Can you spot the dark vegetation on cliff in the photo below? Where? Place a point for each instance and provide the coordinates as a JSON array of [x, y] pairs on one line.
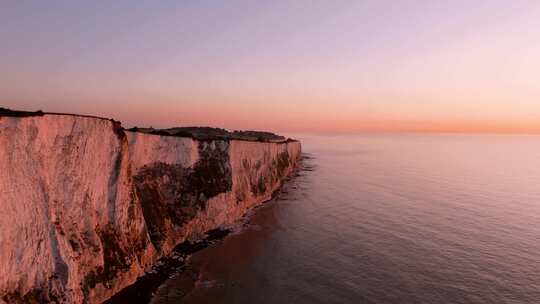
[[209, 133], [11, 113], [171, 195]]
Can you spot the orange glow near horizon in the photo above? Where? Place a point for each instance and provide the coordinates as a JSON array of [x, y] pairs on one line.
[[292, 66]]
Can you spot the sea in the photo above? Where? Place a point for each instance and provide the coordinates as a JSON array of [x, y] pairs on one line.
[[385, 218]]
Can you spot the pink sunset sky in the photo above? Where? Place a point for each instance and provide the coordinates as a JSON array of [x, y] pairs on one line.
[[312, 66]]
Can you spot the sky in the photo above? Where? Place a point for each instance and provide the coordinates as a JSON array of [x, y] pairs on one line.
[[284, 66]]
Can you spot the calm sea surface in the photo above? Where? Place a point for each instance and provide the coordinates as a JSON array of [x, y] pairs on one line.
[[386, 219]]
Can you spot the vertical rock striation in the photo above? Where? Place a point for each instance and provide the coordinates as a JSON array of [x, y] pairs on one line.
[[88, 206]]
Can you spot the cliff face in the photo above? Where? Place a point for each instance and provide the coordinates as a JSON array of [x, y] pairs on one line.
[[87, 206]]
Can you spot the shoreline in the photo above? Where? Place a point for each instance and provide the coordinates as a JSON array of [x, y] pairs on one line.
[[175, 264]]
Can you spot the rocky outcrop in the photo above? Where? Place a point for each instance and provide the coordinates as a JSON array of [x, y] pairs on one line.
[[88, 206]]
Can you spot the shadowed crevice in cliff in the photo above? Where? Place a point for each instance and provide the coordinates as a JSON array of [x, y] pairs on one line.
[[116, 259], [170, 195], [60, 276], [51, 291], [119, 158]]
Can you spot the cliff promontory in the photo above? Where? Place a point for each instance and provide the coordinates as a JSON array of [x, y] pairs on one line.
[[88, 206]]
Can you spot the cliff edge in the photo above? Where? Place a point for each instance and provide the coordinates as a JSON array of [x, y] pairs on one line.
[[89, 206]]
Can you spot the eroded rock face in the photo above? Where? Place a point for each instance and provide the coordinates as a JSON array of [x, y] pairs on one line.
[[87, 206], [171, 195]]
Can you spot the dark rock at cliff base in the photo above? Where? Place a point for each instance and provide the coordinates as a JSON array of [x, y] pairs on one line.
[[142, 290]]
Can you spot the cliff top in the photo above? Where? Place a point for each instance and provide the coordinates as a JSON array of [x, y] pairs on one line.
[[209, 133], [12, 113], [199, 133]]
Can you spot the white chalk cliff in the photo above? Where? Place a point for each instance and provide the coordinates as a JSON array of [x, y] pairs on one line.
[[88, 206]]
